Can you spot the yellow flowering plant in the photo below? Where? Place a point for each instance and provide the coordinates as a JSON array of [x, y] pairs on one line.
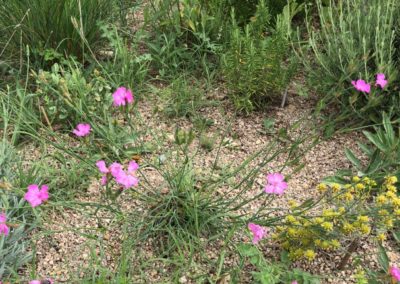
[[341, 216]]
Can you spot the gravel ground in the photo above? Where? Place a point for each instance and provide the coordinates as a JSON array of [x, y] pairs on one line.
[[68, 250]]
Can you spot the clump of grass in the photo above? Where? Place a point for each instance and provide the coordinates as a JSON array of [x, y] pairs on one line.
[[52, 28], [182, 98], [207, 142]]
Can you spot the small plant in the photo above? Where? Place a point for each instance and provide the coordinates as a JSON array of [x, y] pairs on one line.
[[127, 66], [207, 142], [273, 272], [64, 95], [382, 151], [186, 34], [182, 98], [254, 62], [347, 215], [183, 138], [186, 209]]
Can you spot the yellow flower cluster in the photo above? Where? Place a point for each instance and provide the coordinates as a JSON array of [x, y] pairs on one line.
[[358, 209]]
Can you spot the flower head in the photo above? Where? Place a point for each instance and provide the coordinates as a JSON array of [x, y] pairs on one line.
[[115, 169], [361, 86], [35, 196], [294, 282], [122, 96], [133, 167], [395, 272], [258, 232], [4, 229], [82, 129], [380, 80], [35, 282], [126, 178], [102, 167], [275, 184], [103, 180]]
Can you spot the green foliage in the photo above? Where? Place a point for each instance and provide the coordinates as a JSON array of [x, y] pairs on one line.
[[64, 95], [185, 33], [186, 206], [273, 272], [14, 247], [342, 217], [182, 98], [127, 66], [19, 114], [47, 25], [382, 152], [207, 142], [254, 63], [355, 40]]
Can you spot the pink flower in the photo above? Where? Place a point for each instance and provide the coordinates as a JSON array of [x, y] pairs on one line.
[[48, 280], [380, 80], [395, 272], [82, 129], [275, 184], [122, 96], [133, 167], [103, 180], [116, 169], [3, 226], [258, 232], [294, 282], [35, 196], [102, 167], [361, 86], [125, 178]]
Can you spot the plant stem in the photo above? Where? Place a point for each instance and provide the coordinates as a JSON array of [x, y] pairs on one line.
[[353, 246]]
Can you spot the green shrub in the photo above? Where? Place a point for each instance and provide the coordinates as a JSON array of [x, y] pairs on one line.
[[254, 63], [52, 25], [354, 41]]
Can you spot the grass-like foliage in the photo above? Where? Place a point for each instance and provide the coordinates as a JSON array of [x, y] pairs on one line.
[[47, 27], [189, 205], [182, 98], [14, 251], [382, 152]]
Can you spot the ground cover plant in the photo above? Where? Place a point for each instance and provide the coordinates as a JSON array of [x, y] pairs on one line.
[[184, 141]]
